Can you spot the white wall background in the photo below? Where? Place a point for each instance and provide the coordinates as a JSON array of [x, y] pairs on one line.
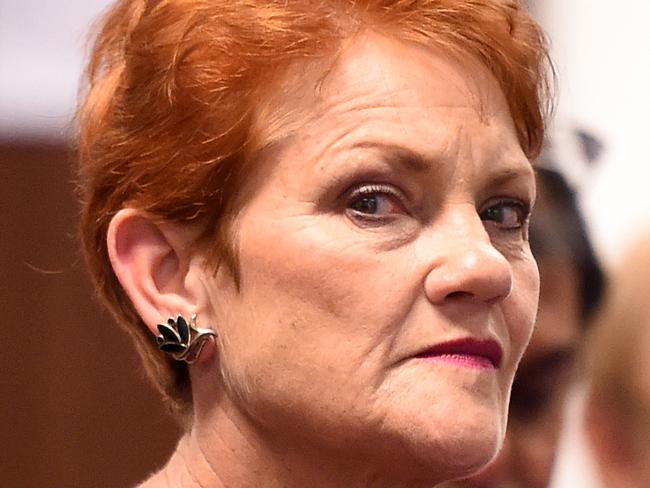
[[41, 51], [602, 53]]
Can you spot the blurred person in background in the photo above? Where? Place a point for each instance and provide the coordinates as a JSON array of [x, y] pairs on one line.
[[571, 289], [617, 411]]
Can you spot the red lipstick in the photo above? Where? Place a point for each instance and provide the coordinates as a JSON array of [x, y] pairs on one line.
[[483, 354]]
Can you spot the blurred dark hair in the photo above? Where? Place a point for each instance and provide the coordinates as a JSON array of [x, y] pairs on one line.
[[558, 231]]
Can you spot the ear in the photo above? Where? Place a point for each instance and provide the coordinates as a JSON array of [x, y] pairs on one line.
[[154, 265]]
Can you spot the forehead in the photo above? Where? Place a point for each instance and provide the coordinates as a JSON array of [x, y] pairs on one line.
[[379, 69], [372, 74]]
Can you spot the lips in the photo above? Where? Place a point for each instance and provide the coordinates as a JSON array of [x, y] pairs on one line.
[[468, 352]]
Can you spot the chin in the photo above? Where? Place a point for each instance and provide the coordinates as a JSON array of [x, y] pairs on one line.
[[466, 455], [453, 439], [470, 446]]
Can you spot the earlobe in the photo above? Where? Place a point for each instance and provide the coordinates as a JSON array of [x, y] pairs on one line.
[[151, 266]]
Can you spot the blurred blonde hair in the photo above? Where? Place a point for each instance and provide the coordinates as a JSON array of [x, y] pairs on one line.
[[618, 350]]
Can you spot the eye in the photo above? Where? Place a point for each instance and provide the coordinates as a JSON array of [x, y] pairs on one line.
[[507, 214], [375, 202]]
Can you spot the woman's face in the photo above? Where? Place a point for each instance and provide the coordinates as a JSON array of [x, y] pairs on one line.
[[387, 288]]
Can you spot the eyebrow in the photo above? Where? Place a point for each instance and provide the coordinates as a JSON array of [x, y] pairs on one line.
[[418, 163], [407, 158], [509, 173]]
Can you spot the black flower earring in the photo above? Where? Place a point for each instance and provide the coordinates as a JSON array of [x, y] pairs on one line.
[[181, 340]]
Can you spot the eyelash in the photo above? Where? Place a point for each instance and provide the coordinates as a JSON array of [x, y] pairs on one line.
[[398, 199], [522, 208], [374, 190]]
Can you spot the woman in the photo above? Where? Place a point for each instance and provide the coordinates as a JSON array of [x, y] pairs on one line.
[[339, 191]]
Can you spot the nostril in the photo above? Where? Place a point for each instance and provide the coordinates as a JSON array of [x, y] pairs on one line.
[[457, 295]]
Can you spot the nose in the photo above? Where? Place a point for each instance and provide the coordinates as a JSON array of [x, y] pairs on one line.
[[469, 267]]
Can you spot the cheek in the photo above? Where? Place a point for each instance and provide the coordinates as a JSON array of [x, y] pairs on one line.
[[312, 306], [308, 335], [521, 305]]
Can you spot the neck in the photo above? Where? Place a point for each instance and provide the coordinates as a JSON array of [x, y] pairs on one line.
[[225, 449]]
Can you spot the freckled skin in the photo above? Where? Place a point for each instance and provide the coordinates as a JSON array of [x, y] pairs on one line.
[[317, 347]]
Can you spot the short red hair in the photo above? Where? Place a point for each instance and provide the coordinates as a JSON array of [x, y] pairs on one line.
[[166, 124]]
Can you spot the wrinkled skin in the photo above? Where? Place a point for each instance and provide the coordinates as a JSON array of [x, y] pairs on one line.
[[363, 242], [391, 217]]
